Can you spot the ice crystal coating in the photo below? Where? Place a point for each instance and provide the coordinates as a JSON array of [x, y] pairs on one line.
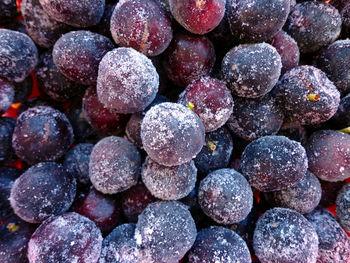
[[343, 204]]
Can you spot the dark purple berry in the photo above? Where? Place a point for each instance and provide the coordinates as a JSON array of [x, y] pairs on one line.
[[46, 189], [7, 177], [7, 126], [42, 134], [172, 134], [273, 163], [7, 94], [343, 204], [8, 11], [114, 165]]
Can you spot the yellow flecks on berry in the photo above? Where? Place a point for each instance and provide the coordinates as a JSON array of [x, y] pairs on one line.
[[211, 146], [12, 227], [345, 130], [313, 97], [200, 3], [234, 67], [190, 105], [274, 224], [233, 227]]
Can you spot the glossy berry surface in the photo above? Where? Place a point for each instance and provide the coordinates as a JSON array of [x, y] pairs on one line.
[[225, 196], [188, 58], [254, 118], [46, 189], [169, 183], [43, 29], [257, 20], [42, 134], [114, 165], [77, 14], [313, 25], [200, 16], [172, 134], [303, 197], [288, 49], [307, 96], [18, 55], [103, 210], [166, 231], [102, 119], [284, 235], [127, 80], [219, 244], [343, 204], [252, 70], [76, 161], [77, 55], [65, 238], [210, 99], [273, 163], [142, 25], [329, 155], [135, 200], [53, 83], [216, 152], [334, 244]]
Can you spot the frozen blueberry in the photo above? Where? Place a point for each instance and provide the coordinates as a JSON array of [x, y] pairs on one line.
[[284, 235], [334, 244], [333, 61], [165, 231], [114, 165], [257, 20], [343, 207], [172, 134], [251, 70], [142, 25], [313, 25], [77, 55], [75, 13], [7, 126], [7, 94], [23, 89], [328, 152], [303, 197], [219, 244], [44, 190], [14, 236], [273, 163], [43, 29], [216, 153], [18, 55], [307, 96], [77, 161], [42, 134], [169, 183], [65, 238], [53, 83], [254, 118], [120, 246], [127, 81], [225, 196], [210, 99]]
